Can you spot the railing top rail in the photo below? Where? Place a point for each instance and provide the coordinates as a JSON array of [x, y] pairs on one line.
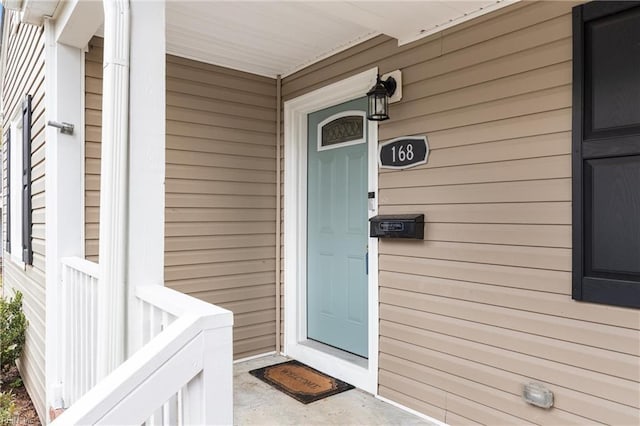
[[178, 304], [141, 366], [82, 265]]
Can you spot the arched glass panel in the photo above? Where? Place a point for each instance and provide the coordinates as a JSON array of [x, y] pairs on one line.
[[344, 128]]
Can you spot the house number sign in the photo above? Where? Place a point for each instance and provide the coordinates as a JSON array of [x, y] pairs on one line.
[[404, 152]]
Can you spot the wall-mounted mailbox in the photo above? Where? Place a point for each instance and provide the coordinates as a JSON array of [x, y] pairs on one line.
[[398, 226]]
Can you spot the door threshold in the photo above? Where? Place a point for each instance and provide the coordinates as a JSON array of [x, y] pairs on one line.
[[337, 353], [342, 365]]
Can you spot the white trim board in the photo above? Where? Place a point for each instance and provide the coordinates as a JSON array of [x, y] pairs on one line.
[[83, 145], [252, 357], [295, 233], [436, 422]]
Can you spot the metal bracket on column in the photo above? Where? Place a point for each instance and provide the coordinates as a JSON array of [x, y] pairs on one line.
[[65, 128]]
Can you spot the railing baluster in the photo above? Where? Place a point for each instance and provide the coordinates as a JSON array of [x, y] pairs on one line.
[[165, 413], [83, 342], [71, 343], [152, 322], [140, 311], [63, 334], [180, 404], [156, 419], [165, 320], [145, 323], [93, 291], [79, 313], [157, 321], [74, 334], [170, 411], [193, 409], [72, 348], [87, 333]]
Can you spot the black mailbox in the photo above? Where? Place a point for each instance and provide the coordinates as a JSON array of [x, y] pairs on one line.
[[398, 226]]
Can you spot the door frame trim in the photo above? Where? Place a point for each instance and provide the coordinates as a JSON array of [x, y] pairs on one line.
[[295, 233]]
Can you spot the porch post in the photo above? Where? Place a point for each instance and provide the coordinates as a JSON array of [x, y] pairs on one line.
[[64, 185], [145, 264]]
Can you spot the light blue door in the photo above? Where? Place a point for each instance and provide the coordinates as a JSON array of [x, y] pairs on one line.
[[337, 296]]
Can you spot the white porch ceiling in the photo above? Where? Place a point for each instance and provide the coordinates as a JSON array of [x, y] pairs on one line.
[[281, 37]]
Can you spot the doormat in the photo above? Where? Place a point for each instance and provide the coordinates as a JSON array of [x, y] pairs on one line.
[[300, 381]]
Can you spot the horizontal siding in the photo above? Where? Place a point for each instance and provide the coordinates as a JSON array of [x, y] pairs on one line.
[[92, 138], [24, 74], [483, 304], [220, 195]]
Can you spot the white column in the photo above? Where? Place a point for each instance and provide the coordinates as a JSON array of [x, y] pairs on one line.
[[64, 184], [146, 154]]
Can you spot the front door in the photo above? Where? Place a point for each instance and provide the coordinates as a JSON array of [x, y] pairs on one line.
[[337, 259]]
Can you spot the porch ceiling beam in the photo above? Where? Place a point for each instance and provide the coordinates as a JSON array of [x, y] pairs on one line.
[[34, 11], [78, 21]]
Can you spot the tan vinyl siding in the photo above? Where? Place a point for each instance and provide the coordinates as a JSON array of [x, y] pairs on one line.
[[220, 190], [24, 74], [220, 195], [93, 136], [483, 305]]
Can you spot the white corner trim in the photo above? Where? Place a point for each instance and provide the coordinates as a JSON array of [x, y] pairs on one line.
[[295, 195], [81, 128]]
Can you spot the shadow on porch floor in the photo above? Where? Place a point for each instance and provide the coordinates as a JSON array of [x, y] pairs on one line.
[[257, 403]]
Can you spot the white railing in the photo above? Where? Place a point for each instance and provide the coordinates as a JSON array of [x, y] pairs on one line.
[[182, 375], [78, 320]]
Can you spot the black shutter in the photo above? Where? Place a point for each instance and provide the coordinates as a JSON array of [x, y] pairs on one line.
[[27, 252], [8, 192], [606, 153]]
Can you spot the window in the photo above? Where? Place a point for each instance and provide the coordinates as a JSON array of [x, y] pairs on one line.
[[19, 185], [342, 129], [606, 153]]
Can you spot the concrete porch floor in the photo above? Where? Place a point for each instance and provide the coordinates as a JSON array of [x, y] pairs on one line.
[[257, 403]]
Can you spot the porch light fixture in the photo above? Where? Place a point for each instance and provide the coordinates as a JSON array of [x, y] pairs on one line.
[[378, 99], [537, 394]]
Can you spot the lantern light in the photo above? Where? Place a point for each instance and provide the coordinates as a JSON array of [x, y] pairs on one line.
[[378, 99]]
